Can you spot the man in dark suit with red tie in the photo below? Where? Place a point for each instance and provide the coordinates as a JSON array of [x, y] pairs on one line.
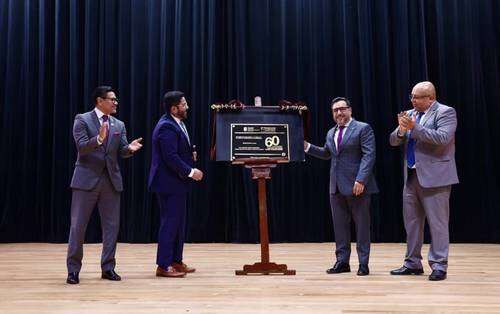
[[172, 170], [350, 145], [97, 180]]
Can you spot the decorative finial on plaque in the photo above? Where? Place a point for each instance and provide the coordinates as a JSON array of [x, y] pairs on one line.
[[258, 101]]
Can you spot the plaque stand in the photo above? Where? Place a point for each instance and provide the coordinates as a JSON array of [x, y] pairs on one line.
[[261, 170]]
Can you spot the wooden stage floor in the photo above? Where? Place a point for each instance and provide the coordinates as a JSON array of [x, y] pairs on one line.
[[32, 280]]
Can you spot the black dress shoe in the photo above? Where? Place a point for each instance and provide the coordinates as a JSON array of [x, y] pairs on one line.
[[73, 278], [111, 275], [437, 275], [363, 270], [407, 271], [339, 267]]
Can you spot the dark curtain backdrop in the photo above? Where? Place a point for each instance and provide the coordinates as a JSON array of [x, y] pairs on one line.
[[54, 52]]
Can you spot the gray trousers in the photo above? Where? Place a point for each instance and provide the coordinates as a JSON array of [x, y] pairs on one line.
[[343, 207], [419, 203], [83, 203]]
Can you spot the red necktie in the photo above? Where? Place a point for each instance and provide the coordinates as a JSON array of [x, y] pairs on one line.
[[105, 119], [339, 137]]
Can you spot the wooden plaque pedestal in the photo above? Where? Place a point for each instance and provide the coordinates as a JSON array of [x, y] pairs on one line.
[[261, 172]]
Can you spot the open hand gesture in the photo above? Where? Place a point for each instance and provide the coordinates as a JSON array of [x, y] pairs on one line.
[[135, 145], [103, 131]]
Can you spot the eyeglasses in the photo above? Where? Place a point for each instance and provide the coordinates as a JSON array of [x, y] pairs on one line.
[[411, 96], [112, 99], [340, 109]]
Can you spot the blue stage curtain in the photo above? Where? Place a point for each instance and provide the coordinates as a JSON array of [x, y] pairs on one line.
[[54, 52]]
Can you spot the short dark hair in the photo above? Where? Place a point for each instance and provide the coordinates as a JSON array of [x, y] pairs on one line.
[[171, 98], [337, 99], [101, 91]]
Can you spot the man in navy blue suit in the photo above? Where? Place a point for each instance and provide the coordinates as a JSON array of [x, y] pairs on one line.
[[172, 170]]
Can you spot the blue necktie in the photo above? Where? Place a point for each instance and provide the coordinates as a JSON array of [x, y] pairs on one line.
[[410, 150], [183, 128]]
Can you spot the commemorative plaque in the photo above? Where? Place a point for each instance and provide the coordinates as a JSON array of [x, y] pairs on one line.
[[271, 132], [259, 140]]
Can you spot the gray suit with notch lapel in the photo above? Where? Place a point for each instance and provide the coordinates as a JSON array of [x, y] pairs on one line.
[[427, 193], [353, 162], [96, 181]]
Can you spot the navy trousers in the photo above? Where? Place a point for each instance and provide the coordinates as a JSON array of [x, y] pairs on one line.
[[172, 228]]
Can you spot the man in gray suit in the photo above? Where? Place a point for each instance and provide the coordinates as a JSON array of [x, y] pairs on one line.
[[351, 147], [97, 180], [427, 134]]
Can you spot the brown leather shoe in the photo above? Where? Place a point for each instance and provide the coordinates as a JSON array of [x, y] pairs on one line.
[[183, 268], [169, 272]]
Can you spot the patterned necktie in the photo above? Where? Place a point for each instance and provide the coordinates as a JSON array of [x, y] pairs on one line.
[[410, 150], [105, 119], [183, 128], [339, 137]]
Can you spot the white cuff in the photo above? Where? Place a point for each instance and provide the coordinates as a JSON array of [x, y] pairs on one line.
[[307, 147], [191, 173]]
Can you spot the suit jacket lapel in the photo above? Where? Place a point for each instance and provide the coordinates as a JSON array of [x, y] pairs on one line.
[[111, 131], [178, 127], [185, 135], [332, 142], [95, 119], [429, 113]]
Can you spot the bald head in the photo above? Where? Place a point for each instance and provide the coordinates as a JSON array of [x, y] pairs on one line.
[[426, 88], [423, 95]]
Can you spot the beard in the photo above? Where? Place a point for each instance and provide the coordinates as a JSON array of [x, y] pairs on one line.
[[180, 115], [341, 120]]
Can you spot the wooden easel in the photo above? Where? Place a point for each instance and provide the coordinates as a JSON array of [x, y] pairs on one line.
[[261, 170]]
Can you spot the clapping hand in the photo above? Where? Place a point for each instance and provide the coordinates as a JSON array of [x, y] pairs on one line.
[[406, 122], [103, 131]]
